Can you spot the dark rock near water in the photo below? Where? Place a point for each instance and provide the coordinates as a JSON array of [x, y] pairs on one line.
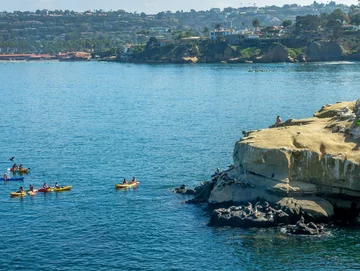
[[353, 56], [184, 191], [261, 216], [202, 192], [301, 58], [304, 229]]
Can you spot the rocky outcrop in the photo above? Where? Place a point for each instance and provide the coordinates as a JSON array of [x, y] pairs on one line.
[[325, 51], [214, 52], [301, 58], [277, 53], [202, 192], [306, 168], [305, 229], [261, 215], [304, 157], [353, 56], [184, 190]]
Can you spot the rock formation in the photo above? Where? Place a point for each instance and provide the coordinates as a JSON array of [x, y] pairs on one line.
[[184, 190], [277, 53], [306, 168], [325, 51], [261, 215], [305, 229]]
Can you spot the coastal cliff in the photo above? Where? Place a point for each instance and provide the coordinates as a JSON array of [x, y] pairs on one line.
[[307, 167], [209, 51]]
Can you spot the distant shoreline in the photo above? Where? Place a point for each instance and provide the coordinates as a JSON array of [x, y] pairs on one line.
[[181, 63]]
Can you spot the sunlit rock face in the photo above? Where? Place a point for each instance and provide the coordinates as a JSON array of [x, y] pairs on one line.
[[314, 162], [322, 151]]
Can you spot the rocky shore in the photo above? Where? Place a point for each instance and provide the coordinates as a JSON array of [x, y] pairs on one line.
[[299, 173]]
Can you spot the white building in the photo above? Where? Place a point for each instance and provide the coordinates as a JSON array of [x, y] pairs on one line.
[[222, 33]]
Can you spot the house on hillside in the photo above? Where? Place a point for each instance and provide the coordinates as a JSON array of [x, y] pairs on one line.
[[214, 35]]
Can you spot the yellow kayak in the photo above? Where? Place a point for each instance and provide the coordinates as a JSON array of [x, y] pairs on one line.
[[17, 194], [32, 193], [64, 188], [23, 170], [127, 185]]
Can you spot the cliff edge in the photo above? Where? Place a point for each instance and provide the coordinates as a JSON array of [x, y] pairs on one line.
[[308, 167]]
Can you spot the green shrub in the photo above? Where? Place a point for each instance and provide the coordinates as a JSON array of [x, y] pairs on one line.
[[249, 52]]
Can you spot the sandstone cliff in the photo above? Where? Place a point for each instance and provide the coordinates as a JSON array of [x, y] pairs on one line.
[[325, 51], [309, 166], [276, 53]]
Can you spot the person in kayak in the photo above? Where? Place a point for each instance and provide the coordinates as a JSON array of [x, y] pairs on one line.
[[21, 189], [21, 167], [124, 182], [6, 177], [57, 185], [14, 167], [46, 186], [133, 180]]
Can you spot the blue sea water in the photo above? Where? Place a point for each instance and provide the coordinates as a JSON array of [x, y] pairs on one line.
[[91, 124]]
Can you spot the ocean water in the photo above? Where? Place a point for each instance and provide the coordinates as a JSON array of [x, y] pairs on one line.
[[89, 125]]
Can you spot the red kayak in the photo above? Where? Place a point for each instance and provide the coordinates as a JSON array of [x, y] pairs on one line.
[[44, 190]]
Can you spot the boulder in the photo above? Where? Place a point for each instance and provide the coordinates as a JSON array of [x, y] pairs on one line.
[[301, 58], [276, 53], [325, 51], [184, 190], [202, 192], [304, 229], [313, 208], [353, 56]]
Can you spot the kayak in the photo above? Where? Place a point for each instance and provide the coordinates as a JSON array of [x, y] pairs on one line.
[[32, 193], [24, 170], [44, 190], [127, 185], [13, 179], [64, 188], [17, 194]]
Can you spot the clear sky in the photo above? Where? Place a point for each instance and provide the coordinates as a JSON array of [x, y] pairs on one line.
[[147, 6]]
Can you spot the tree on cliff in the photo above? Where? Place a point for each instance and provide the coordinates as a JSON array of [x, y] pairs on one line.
[[338, 14], [152, 43], [206, 31], [355, 18], [307, 23], [189, 33], [255, 23], [286, 23], [335, 21], [217, 27], [354, 14]]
